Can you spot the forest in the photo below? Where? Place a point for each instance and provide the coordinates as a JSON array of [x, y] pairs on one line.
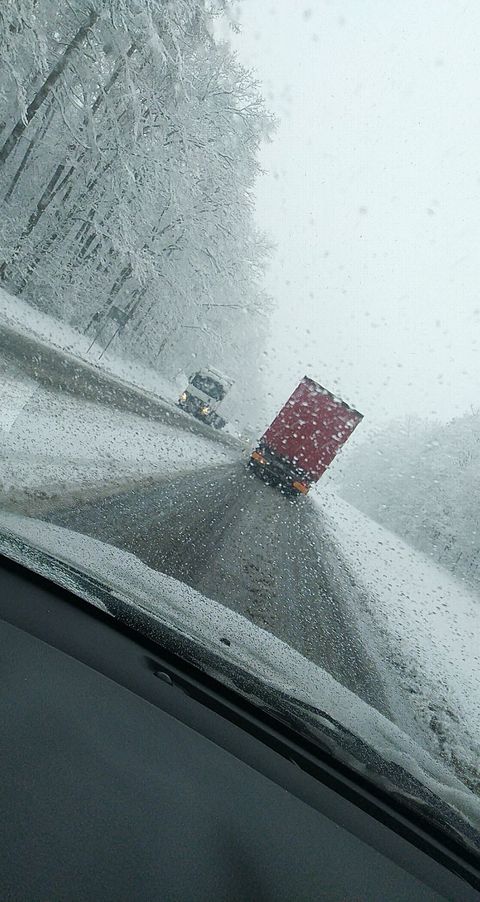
[[129, 137], [129, 145]]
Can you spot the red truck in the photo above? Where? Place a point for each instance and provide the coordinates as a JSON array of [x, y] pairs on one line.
[[303, 438]]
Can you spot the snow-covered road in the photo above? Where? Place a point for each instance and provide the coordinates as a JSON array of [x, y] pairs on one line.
[[54, 357], [237, 541], [56, 445], [351, 597], [380, 617]]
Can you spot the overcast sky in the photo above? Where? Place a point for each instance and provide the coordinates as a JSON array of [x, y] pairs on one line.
[[372, 195]]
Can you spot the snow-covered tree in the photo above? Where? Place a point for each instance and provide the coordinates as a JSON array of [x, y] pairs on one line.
[[128, 155]]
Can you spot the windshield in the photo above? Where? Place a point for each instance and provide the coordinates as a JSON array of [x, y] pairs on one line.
[[210, 386], [288, 192]]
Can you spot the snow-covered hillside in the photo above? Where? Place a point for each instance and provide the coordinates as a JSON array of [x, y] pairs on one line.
[[430, 624]]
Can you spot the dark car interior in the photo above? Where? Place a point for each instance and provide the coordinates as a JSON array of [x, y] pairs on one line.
[[127, 774]]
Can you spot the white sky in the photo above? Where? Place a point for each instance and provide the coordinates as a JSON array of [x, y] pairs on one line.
[[372, 195]]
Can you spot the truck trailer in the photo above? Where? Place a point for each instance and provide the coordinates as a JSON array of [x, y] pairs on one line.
[[304, 438]]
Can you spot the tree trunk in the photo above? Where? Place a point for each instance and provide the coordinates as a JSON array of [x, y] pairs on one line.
[[36, 138], [42, 205], [113, 78], [45, 89]]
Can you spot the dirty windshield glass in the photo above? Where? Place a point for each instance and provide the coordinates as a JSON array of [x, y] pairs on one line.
[[287, 191]]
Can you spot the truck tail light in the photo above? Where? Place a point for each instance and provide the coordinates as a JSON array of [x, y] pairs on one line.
[[256, 455], [300, 487]]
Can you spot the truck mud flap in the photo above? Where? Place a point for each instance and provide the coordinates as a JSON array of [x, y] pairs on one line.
[[273, 479]]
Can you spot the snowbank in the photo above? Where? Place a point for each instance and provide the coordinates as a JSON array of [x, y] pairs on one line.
[[53, 445], [180, 607], [430, 623], [16, 390], [25, 319]]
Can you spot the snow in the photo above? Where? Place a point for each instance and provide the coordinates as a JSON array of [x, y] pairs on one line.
[[15, 393], [20, 316], [79, 445], [430, 623], [177, 605]]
